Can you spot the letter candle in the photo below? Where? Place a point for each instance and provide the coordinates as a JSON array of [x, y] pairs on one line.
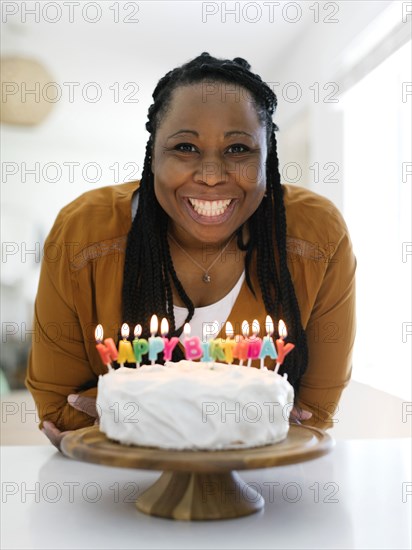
[[140, 345], [229, 343], [242, 346], [282, 348], [169, 345], [156, 344], [268, 347], [205, 346], [125, 347], [193, 348], [255, 343], [209, 330], [107, 351], [216, 348]]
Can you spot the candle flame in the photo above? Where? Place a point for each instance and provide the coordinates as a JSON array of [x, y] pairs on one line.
[[125, 330], [187, 330], [269, 325], [98, 333], [154, 324], [282, 329], [137, 331], [164, 327], [255, 327], [245, 329], [229, 330]]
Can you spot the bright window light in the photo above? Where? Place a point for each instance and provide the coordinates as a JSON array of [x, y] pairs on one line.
[[377, 208]]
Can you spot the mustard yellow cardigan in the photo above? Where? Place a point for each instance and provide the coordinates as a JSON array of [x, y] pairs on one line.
[[81, 282]]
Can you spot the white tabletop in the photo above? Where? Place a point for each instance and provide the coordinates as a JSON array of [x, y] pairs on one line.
[[359, 496]]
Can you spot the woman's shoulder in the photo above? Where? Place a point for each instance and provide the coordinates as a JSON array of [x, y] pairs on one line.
[[312, 217], [97, 213], [101, 200]]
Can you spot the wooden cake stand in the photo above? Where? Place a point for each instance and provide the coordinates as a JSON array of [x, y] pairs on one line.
[[198, 485]]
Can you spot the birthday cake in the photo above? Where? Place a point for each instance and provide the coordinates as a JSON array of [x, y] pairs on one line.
[[194, 405]]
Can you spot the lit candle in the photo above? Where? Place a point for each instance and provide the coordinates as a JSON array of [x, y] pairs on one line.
[[140, 345], [268, 347], [125, 347], [255, 343], [240, 350], [282, 348], [107, 351], [229, 343], [192, 345], [156, 344], [169, 345]]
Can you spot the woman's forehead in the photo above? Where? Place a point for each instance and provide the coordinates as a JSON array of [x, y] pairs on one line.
[[211, 102], [209, 91]]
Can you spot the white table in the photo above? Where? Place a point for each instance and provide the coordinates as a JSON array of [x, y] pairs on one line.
[[359, 496]]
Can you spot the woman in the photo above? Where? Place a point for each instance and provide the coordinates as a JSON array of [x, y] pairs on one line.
[[209, 232]]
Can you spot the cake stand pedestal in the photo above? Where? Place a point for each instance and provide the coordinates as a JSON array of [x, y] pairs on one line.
[[181, 495], [198, 485]]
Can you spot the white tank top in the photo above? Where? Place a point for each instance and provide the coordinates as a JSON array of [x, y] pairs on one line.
[[208, 320]]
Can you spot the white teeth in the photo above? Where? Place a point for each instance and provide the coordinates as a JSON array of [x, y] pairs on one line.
[[210, 208]]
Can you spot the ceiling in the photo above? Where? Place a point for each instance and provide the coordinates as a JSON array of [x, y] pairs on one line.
[[161, 36]]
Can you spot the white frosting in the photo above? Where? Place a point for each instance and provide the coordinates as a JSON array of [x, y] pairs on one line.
[[192, 405]]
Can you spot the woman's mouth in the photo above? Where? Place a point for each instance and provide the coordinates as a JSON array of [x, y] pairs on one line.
[[209, 208], [210, 211]]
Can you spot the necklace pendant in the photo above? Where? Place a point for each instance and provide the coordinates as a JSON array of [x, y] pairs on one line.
[[206, 278]]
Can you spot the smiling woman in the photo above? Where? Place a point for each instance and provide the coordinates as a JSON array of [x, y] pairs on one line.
[[208, 232]]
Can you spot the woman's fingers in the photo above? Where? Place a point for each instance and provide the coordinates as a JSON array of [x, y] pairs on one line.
[[83, 404], [297, 414], [305, 415], [78, 402], [53, 433]]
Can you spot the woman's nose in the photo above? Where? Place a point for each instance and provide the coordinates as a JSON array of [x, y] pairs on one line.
[[211, 171]]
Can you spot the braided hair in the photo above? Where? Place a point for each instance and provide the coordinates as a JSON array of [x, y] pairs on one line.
[[149, 270]]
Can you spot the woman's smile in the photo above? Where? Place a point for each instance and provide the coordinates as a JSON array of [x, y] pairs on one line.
[[209, 208], [209, 211]]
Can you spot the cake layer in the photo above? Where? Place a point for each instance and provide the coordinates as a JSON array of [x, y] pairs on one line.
[[191, 405]]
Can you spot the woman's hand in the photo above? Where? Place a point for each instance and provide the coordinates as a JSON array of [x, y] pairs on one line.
[[297, 414], [78, 402], [53, 433]]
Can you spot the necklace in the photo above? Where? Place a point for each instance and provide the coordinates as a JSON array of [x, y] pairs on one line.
[[206, 278]]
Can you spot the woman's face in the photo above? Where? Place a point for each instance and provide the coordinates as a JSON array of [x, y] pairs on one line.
[[209, 162]]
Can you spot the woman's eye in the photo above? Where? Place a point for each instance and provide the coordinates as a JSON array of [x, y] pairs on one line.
[[186, 148], [238, 148]]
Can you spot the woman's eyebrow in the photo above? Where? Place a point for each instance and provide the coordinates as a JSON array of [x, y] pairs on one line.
[[184, 132], [226, 134], [237, 132]]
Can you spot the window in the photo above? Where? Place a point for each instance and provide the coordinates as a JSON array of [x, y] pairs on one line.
[[377, 208]]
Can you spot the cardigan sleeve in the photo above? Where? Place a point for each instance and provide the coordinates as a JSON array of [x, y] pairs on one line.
[[80, 283], [58, 363], [330, 334]]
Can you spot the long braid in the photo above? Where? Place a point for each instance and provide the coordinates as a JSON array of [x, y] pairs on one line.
[[149, 271], [294, 363]]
